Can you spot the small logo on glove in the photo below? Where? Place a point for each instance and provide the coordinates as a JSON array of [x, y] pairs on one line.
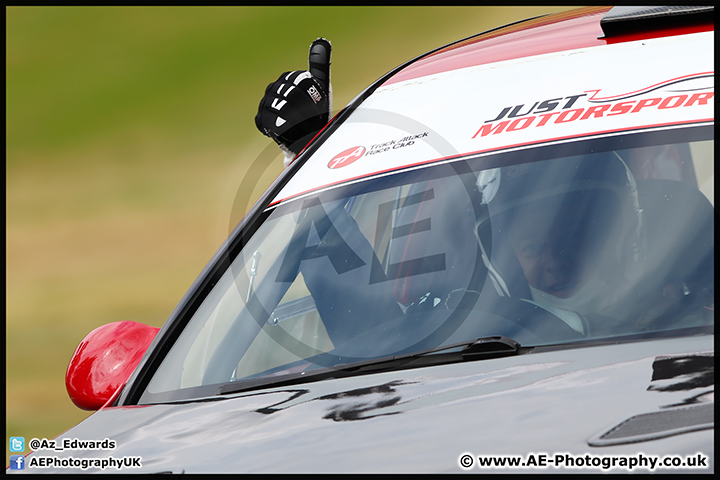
[[314, 94]]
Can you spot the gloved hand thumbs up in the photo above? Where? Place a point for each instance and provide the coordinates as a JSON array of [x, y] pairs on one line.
[[297, 105]]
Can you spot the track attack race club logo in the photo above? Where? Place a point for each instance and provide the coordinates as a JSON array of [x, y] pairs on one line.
[[346, 157], [683, 92]]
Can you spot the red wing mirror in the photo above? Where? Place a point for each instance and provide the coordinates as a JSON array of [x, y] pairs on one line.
[[104, 361]]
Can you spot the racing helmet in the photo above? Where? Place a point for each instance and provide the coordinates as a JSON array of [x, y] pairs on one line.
[[564, 232]]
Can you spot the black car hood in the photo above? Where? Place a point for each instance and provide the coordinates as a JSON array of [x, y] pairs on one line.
[[654, 397]]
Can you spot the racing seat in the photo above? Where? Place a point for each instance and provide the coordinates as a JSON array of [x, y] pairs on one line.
[[679, 230], [678, 224]]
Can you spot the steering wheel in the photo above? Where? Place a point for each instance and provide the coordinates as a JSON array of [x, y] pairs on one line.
[[419, 330]]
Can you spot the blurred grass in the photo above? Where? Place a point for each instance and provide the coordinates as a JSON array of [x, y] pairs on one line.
[[128, 130]]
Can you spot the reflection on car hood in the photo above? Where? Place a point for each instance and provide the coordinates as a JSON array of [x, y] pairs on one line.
[[577, 400]]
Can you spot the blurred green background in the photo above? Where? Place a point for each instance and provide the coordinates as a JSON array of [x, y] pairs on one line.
[[128, 132]]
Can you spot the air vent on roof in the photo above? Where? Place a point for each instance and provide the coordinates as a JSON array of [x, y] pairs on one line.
[[654, 425], [623, 20]]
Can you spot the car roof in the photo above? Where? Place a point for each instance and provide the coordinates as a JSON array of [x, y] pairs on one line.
[[563, 31]]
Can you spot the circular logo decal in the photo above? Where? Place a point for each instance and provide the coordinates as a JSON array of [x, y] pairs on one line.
[[346, 157]]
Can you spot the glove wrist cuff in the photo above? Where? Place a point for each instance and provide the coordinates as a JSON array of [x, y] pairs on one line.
[[288, 154]]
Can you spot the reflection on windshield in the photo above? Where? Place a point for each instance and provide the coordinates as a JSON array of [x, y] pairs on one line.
[[542, 250]]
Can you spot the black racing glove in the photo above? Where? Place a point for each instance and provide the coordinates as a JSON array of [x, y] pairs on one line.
[[298, 104]]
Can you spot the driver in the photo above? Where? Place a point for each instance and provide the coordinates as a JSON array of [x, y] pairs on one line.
[[564, 234]]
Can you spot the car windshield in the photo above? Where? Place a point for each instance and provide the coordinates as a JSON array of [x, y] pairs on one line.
[[591, 239]]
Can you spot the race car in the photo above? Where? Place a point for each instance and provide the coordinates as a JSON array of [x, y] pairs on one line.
[[499, 257]]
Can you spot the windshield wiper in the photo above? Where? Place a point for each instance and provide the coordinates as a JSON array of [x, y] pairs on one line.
[[478, 349]]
